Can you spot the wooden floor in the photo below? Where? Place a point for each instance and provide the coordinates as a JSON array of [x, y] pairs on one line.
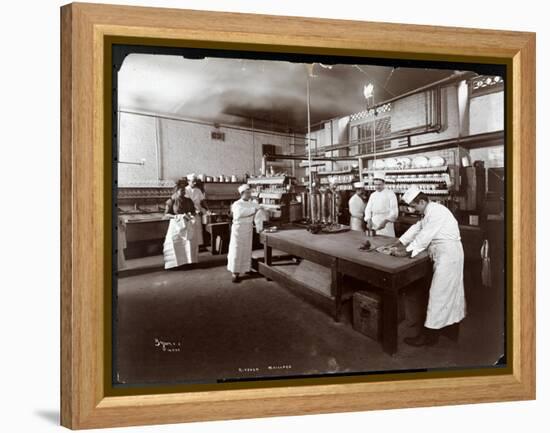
[[225, 328]]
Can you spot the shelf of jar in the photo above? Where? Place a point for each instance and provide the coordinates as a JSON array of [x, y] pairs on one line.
[[418, 180], [440, 169], [278, 180], [321, 182], [425, 191], [336, 173], [271, 195]]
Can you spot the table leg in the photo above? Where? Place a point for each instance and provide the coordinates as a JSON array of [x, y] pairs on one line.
[[390, 305], [268, 256], [336, 290]]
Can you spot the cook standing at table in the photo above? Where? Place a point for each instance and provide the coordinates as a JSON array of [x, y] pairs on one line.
[[438, 232], [240, 244], [193, 192], [180, 247], [382, 208], [356, 205]]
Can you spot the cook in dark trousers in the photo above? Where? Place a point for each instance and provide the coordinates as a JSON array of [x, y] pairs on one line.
[[438, 232]]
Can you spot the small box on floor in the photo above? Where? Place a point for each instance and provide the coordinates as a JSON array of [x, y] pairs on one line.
[[367, 313]]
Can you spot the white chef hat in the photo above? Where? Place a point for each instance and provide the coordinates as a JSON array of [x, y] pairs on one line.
[[379, 175], [410, 194], [358, 185], [243, 188], [191, 176]]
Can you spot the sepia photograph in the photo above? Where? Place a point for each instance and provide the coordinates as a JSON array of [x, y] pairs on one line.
[[284, 216]]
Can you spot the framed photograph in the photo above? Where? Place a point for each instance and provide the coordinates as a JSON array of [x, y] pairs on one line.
[[267, 215]]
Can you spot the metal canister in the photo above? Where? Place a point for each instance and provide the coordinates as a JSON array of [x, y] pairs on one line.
[[305, 203], [323, 210], [332, 207], [313, 208]]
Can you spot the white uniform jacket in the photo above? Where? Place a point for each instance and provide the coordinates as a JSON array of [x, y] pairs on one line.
[[356, 207], [240, 244], [382, 205], [438, 232]]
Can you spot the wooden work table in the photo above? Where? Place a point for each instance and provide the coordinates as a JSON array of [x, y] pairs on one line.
[[340, 252]]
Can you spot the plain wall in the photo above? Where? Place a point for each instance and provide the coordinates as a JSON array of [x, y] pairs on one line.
[[174, 148]]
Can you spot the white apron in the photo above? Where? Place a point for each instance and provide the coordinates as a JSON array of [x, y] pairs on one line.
[[240, 244], [197, 196], [356, 207], [382, 205], [357, 224], [388, 230], [447, 304], [180, 247], [121, 243]]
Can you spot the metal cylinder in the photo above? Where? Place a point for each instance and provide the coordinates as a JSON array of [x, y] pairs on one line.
[[324, 206], [263, 168], [305, 205], [315, 206], [332, 208]]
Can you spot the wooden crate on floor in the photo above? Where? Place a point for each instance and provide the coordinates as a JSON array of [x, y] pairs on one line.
[[367, 314]]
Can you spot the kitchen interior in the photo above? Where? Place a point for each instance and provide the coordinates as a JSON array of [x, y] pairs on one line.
[[300, 136]]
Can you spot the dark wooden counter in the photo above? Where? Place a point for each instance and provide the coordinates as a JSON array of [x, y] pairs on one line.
[[340, 253]]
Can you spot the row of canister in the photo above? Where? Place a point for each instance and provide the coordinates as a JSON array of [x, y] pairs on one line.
[[319, 206]]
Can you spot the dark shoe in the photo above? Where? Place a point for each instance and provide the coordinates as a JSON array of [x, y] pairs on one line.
[[427, 337], [452, 332], [415, 324], [235, 279]]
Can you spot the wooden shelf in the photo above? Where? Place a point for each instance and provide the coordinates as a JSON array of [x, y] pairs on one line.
[[335, 173], [443, 168], [278, 180]]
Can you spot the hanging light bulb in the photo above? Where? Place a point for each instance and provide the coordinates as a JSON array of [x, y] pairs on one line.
[[368, 91]]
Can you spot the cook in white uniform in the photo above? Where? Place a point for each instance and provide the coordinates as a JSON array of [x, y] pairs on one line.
[[240, 244], [357, 206], [438, 232], [193, 192], [382, 208]]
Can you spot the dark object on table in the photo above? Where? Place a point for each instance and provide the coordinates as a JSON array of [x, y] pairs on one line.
[[393, 250], [365, 246], [399, 252], [315, 228], [327, 228], [335, 228]]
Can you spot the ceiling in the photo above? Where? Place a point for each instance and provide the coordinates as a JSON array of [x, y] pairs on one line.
[[273, 93]]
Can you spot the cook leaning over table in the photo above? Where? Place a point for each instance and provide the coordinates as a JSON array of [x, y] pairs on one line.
[[438, 232], [382, 208]]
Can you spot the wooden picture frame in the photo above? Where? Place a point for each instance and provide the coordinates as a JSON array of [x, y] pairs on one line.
[[87, 30]]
